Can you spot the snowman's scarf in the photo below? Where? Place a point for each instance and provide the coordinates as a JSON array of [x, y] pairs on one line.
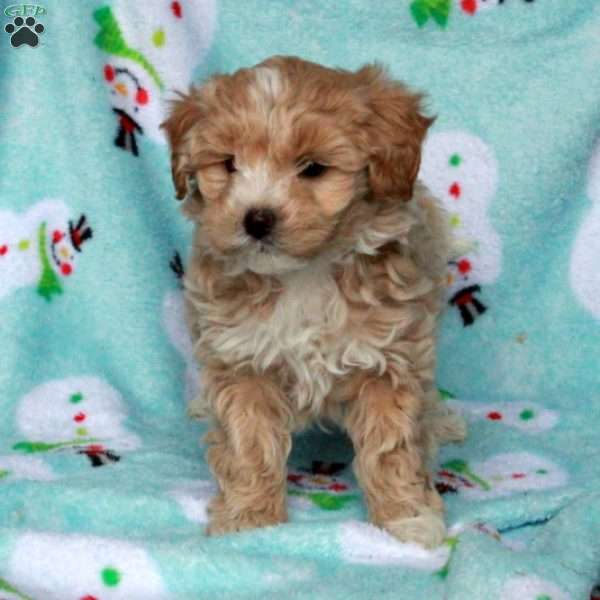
[[6, 587], [49, 283]]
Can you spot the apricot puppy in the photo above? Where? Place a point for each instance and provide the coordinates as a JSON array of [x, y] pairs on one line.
[[315, 284]]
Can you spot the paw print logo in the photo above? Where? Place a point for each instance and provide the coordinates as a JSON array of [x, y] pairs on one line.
[[24, 31]]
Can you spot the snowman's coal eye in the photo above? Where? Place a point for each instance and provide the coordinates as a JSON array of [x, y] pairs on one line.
[[230, 165]]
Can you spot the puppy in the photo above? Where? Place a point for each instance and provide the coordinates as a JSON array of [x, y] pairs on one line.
[[315, 284]]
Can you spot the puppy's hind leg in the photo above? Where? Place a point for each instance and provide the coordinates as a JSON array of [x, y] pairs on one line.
[[391, 463]]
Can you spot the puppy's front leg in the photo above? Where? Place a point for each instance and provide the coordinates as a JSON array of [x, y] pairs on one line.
[[248, 454], [385, 426]]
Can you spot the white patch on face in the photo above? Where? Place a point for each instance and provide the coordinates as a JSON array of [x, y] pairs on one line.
[[267, 88], [255, 187]]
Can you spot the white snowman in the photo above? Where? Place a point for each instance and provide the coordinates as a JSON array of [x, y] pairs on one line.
[[500, 475], [173, 310], [461, 170], [40, 247], [528, 417], [9, 592], [153, 48], [585, 256], [79, 567], [84, 414], [14, 467]]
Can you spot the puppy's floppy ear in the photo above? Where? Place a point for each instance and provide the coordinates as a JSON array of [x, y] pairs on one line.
[[395, 129], [184, 113]]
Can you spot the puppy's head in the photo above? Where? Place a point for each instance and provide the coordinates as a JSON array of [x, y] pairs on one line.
[[292, 159]]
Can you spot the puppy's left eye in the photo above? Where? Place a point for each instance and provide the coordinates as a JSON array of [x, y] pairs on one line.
[[313, 169], [230, 165]]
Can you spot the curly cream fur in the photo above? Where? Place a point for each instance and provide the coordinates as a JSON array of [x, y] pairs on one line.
[[334, 319]]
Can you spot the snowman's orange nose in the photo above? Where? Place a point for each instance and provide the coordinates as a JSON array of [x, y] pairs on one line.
[[121, 88]]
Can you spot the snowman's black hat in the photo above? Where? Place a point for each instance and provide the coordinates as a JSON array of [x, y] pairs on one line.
[[80, 232]]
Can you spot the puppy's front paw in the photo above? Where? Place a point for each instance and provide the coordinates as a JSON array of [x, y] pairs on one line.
[[224, 519], [427, 528]]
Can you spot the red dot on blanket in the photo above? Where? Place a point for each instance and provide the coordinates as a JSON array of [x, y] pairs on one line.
[[338, 487], [464, 265], [469, 6], [57, 236], [3, 249], [109, 73], [142, 96], [176, 8], [494, 416], [454, 190], [79, 417], [66, 269], [88, 597], [518, 475]]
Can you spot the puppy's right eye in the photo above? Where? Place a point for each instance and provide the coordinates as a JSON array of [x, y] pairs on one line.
[[313, 170], [230, 165]]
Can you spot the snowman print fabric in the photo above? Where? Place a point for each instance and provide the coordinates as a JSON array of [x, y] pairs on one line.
[[151, 52], [41, 248]]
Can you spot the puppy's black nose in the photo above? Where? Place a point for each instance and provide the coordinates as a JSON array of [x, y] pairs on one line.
[[259, 222]]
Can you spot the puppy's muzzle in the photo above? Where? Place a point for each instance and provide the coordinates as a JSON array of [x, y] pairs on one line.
[[259, 222]]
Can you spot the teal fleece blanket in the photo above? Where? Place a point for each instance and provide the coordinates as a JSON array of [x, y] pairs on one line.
[[103, 486]]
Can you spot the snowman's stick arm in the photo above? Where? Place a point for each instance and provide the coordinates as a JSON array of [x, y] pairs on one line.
[[33, 447]]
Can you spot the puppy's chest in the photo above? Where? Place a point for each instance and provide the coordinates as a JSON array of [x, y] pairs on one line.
[[307, 337], [308, 321]]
